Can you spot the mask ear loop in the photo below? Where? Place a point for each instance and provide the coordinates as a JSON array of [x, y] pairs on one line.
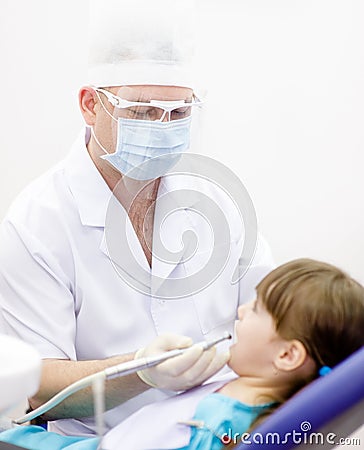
[[92, 128], [103, 106], [99, 143]]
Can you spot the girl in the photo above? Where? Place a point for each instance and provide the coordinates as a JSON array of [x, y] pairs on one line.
[[307, 318]]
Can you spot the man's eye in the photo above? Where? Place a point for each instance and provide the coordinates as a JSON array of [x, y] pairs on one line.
[[182, 111]]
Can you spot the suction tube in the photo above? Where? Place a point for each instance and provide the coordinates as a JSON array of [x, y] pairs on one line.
[[118, 370]]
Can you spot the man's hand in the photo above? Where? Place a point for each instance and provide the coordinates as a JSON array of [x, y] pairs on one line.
[[184, 371]]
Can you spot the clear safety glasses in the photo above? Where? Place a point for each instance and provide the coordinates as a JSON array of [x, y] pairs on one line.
[[154, 110]]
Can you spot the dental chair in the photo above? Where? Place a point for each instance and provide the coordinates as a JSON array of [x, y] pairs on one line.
[[331, 404]]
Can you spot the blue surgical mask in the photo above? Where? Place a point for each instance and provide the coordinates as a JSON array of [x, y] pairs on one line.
[[148, 149]]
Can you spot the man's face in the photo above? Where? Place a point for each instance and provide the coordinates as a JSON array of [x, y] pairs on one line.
[[106, 114]]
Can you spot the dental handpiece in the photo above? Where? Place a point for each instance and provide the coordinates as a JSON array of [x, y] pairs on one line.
[[118, 370], [151, 361]]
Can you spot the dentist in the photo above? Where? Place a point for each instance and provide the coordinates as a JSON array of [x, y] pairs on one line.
[[63, 287]]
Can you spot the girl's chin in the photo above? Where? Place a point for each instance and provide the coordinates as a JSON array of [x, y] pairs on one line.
[[236, 358], [230, 363]]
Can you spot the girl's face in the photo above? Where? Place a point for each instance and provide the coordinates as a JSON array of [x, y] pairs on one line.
[[257, 342]]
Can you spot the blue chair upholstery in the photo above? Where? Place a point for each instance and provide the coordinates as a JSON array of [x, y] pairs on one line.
[[331, 404]]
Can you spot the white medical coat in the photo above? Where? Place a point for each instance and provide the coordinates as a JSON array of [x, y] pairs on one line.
[[59, 289]]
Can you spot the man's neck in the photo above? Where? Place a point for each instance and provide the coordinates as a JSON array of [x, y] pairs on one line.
[[137, 198], [129, 192]]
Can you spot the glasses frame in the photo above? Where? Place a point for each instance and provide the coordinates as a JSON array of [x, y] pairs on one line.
[[167, 105]]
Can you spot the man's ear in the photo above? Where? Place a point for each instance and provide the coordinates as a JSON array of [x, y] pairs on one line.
[[87, 101], [291, 356]]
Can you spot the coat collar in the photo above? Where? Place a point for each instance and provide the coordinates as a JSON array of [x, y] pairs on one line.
[[89, 189], [93, 197], [121, 244]]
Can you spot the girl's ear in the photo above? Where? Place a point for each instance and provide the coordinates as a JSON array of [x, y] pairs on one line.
[[291, 356], [87, 101]]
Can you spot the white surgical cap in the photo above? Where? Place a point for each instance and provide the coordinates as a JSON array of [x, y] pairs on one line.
[[141, 42]]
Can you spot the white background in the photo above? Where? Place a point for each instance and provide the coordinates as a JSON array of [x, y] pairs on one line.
[[285, 111]]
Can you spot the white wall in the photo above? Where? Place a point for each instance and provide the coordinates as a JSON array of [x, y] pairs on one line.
[[286, 109], [43, 62]]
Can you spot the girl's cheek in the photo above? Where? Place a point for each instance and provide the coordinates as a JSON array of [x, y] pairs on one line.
[[239, 331], [236, 323]]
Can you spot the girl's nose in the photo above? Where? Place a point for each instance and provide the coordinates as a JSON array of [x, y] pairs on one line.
[[241, 311], [243, 308]]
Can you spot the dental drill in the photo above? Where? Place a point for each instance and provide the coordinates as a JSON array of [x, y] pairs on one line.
[[118, 370]]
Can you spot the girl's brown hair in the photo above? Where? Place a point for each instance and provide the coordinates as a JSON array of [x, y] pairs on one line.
[[317, 304]]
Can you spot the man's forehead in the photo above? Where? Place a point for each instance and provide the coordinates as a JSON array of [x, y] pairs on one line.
[[145, 93]]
